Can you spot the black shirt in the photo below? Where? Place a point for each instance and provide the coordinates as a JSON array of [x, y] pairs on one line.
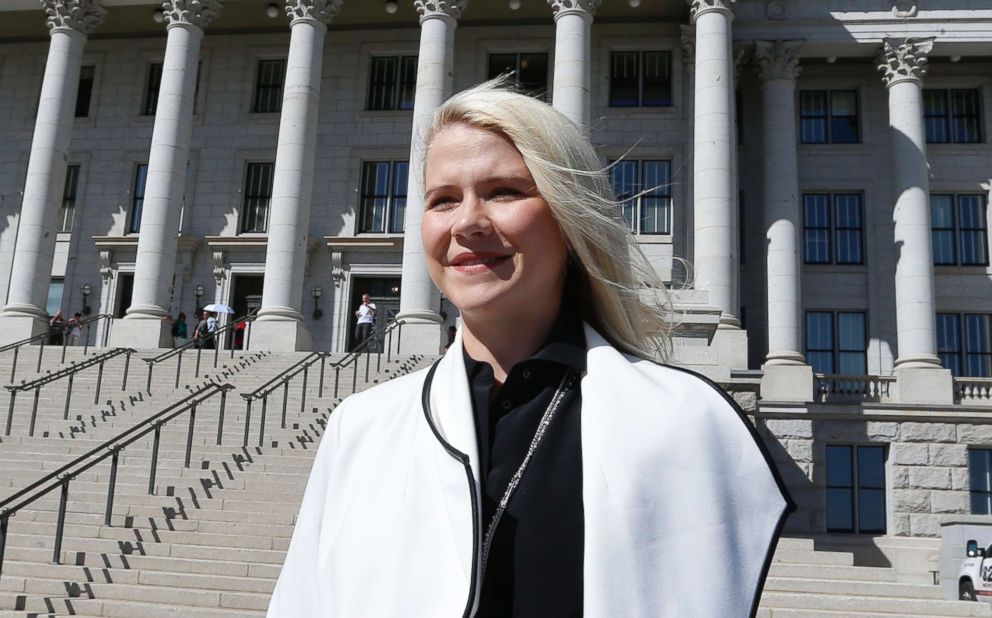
[[535, 561]]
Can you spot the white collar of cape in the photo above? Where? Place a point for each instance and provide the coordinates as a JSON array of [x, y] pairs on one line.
[[676, 524]]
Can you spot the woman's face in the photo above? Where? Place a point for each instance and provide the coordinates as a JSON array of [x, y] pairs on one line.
[[492, 244]]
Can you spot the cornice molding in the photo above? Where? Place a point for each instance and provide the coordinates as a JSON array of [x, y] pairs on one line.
[[83, 16]]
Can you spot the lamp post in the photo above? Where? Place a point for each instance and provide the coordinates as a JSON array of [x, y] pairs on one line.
[[317, 292], [198, 292], [86, 289]]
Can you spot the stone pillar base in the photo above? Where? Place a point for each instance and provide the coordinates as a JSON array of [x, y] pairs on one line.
[[787, 383], [925, 386], [420, 338], [17, 327], [140, 333], [279, 335], [731, 347]]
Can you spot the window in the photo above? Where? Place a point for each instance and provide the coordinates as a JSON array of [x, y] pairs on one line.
[[530, 71], [392, 82], [138, 196], [836, 342], [151, 89], [268, 87], [952, 116], [979, 475], [383, 204], [828, 117], [258, 194], [644, 191], [855, 489], [56, 288], [641, 79], [85, 92], [964, 344], [959, 228], [832, 225], [68, 209]]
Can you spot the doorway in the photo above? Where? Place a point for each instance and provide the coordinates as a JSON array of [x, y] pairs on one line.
[[125, 288], [385, 294], [246, 297]]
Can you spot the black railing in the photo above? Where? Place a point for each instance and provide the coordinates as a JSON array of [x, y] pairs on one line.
[[282, 380], [64, 329], [362, 349], [70, 373], [198, 345], [110, 449]]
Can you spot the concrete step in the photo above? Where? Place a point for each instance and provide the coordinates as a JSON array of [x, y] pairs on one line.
[[852, 587], [870, 605]]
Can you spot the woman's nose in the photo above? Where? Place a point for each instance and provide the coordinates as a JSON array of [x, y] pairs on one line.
[[471, 218]]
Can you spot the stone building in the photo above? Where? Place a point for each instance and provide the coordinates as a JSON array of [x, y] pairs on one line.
[[812, 177]]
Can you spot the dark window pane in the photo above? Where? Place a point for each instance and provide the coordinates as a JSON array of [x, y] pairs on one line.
[[936, 116], [949, 342], [840, 510], [85, 92], [625, 186], [151, 89], [965, 108], [848, 227], [979, 469], [816, 229], [408, 82], [67, 212], [981, 504], [844, 117], [500, 64], [258, 195], [813, 117], [268, 86], [138, 197], [871, 467], [871, 510], [942, 229], [820, 341], [657, 79], [532, 74], [973, 232], [382, 83], [397, 212], [978, 345], [623, 79]]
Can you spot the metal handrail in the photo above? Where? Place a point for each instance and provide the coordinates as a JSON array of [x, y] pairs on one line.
[[178, 352], [303, 366], [283, 379], [16, 346], [69, 372], [111, 448]]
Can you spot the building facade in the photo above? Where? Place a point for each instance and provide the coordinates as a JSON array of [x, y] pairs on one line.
[[812, 178]]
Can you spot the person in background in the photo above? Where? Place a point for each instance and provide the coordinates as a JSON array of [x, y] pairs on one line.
[[205, 329], [75, 326], [56, 328], [178, 331], [366, 319]]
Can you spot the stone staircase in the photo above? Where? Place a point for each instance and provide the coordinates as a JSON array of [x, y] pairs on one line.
[[210, 541]]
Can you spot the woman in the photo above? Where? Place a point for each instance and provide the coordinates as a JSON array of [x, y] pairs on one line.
[[545, 466]]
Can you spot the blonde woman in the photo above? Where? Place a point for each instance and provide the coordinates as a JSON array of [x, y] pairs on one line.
[[547, 465]]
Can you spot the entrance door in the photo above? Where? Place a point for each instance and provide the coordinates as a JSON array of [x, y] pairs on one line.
[[125, 286], [246, 297], [385, 293]]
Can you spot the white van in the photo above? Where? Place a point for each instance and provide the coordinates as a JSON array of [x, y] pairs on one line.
[[975, 575]]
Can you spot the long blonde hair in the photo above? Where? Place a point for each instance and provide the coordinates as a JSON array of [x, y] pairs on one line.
[[623, 296]]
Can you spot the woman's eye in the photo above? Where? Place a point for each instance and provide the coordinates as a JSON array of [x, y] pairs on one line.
[[440, 203], [505, 193]]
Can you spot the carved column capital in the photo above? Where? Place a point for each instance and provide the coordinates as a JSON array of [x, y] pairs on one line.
[[698, 7], [742, 53], [83, 16], [440, 8], [563, 7], [777, 59], [320, 10], [904, 59], [197, 13], [688, 35]]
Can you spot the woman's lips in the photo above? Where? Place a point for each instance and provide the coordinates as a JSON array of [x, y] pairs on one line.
[[476, 263]]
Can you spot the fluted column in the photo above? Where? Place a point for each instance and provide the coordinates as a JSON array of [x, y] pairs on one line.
[[280, 324], [714, 171], [778, 67], [69, 24], [167, 159], [903, 69], [419, 298], [573, 26]]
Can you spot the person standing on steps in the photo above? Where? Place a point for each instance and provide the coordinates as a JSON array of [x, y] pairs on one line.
[[366, 319]]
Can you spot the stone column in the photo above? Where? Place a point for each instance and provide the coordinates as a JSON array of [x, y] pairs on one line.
[[155, 264], [280, 325], [69, 23], [419, 298], [714, 174], [786, 376], [573, 25], [903, 66]]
